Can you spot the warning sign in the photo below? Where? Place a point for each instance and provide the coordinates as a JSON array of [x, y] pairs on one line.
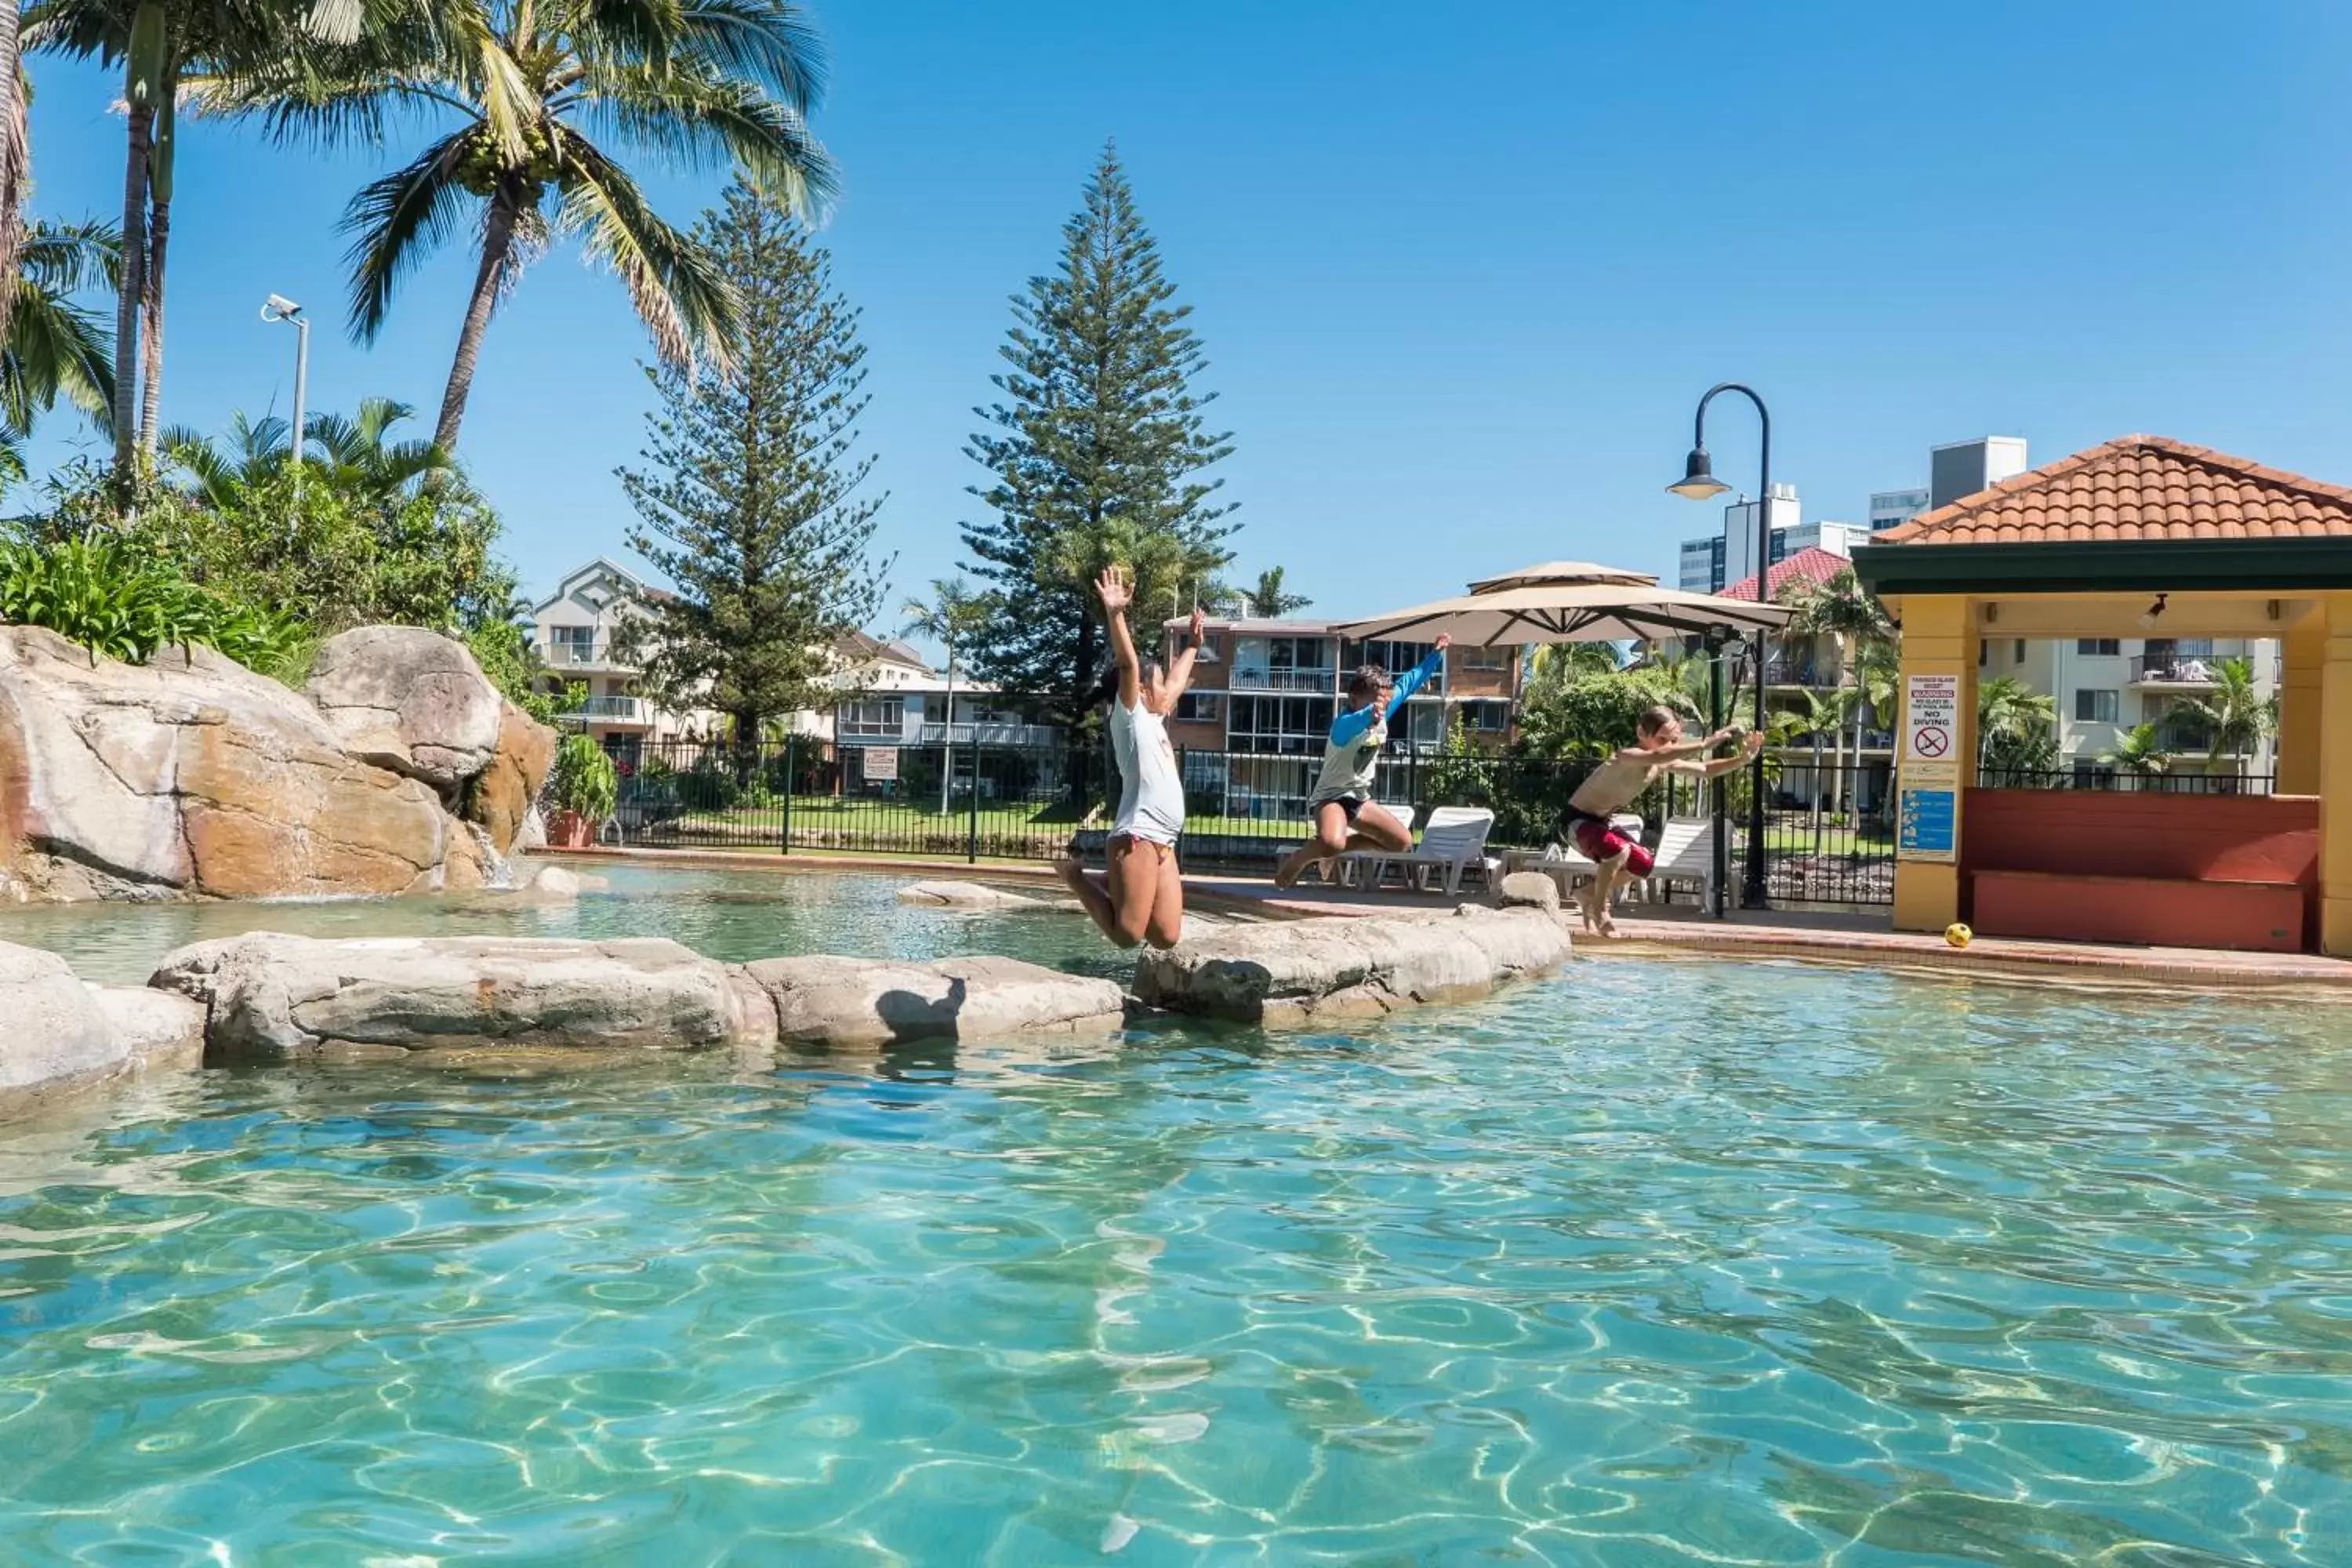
[[1931, 718], [1928, 812]]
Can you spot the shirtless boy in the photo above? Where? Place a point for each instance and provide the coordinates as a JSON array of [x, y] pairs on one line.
[[1142, 896], [1616, 783]]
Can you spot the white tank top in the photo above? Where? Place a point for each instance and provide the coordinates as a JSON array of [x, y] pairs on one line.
[[1151, 792]]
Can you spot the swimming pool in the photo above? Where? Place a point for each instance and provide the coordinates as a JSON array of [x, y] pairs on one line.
[[1661, 1262]]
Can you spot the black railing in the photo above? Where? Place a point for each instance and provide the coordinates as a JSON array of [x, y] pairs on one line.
[[1827, 833], [2112, 778]]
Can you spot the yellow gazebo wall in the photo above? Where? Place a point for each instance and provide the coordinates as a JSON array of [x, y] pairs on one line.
[[2333, 707], [2304, 654], [1939, 637]]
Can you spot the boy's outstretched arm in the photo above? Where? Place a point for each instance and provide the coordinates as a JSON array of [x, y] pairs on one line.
[[1414, 679], [1112, 588]]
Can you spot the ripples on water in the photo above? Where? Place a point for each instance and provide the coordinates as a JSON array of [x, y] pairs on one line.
[[1663, 1263]]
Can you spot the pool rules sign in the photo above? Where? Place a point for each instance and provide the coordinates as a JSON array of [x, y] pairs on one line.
[[1928, 793]]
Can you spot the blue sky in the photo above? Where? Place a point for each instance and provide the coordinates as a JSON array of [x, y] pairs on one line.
[[1461, 275]]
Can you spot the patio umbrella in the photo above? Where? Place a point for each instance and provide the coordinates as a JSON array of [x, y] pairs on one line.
[[1569, 601]]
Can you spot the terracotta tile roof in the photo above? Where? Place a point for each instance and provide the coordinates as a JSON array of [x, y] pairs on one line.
[[1810, 565], [2138, 488]]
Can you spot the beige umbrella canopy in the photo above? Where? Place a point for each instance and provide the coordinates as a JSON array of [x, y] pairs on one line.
[[1570, 600]]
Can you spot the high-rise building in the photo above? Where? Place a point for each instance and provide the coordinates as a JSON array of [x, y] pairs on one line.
[[1963, 467], [1888, 508], [1708, 564]]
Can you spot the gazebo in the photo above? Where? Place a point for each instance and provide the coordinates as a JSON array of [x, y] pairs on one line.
[[2139, 536]]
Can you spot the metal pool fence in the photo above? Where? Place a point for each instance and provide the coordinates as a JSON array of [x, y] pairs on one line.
[[1828, 835]]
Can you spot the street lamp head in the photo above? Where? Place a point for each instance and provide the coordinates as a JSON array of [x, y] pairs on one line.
[[1698, 481], [279, 308]]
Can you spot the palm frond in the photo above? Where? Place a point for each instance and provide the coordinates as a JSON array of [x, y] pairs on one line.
[[767, 42], [678, 288], [705, 125], [395, 221]]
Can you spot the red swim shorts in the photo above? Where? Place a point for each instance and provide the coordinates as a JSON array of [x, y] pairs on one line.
[[1601, 841]]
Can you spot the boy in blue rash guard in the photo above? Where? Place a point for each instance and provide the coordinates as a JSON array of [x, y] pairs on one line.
[[1345, 814]]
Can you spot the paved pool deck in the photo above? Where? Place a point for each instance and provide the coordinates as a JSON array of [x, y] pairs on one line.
[[1822, 936]]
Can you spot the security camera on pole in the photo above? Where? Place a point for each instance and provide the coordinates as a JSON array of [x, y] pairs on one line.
[[279, 308]]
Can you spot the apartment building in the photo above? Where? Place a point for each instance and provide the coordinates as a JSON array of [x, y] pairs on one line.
[[1265, 693], [577, 635], [2105, 687]]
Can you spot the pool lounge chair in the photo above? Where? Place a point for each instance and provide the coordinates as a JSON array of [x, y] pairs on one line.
[[1686, 853], [1453, 840]]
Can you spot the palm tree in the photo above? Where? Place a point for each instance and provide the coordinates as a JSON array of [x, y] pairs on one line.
[[54, 348], [158, 44], [1270, 601], [699, 83], [15, 156], [954, 618], [2016, 725], [1826, 712], [360, 462], [2140, 751], [1841, 608], [2237, 716]]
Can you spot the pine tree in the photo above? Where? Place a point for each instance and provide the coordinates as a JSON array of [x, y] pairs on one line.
[[749, 500], [1097, 449]]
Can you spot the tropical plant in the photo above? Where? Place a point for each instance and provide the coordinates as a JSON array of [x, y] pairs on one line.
[[2140, 751], [702, 85], [749, 499], [15, 156], [2237, 716], [511, 662], [1841, 609], [1098, 453], [120, 603], [1270, 601], [53, 347], [953, 617], [583, 780], [358, 458], [1565, 661], [1825, 713], [2016, 727]]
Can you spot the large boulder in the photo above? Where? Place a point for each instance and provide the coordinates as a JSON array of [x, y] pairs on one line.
[[824, 1000], [1304, 971], [411, 701], [270, 996], [60, 1033], [191, 775], [1528, 890], [509, 782]]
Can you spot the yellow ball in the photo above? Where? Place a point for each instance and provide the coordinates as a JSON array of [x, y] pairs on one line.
[[1957, 935]]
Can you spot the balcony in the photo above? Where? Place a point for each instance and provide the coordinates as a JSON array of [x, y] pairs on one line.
[[1794, 672], [1321, 682], [634, 710], [2180, 671], [598, 655], [988, 734]]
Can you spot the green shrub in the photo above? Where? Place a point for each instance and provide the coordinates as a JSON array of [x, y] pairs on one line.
[[583, 780], [120, 603]]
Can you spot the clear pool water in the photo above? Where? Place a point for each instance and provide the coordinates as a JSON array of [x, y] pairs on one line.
[[1661, 1263]]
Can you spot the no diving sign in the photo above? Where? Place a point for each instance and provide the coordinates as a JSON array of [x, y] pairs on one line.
[[1931, 718]]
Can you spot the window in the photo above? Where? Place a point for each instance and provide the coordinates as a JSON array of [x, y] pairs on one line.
[[1282, 726], [2098, 647], [1486, 718], [1984, 653], [2017, 657], [2096, 707], [1283, 664], [2089, 775], [1486, 658], [571, 645], [874, 718], [1396, 657], [1202, 707]]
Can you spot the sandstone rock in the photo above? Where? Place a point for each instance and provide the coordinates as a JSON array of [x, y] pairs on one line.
[[1308, 971], [271, 997], [555, 882], [60, 1033], [1528, 891], [411, 701], [154, 1028], [504, 793], [963, 896], [853, 1001], [191, 775]]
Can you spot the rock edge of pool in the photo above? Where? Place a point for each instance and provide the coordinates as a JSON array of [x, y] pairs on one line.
[[274, 996]]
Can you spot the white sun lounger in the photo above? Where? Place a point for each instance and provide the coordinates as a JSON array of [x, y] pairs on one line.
[[1453, 841], [1686, 853]]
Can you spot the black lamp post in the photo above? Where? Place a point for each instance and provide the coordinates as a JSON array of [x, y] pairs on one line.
[[1698, 483]]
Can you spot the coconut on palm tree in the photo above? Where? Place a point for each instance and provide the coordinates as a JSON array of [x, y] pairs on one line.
[[516, 87], [953, 617]]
